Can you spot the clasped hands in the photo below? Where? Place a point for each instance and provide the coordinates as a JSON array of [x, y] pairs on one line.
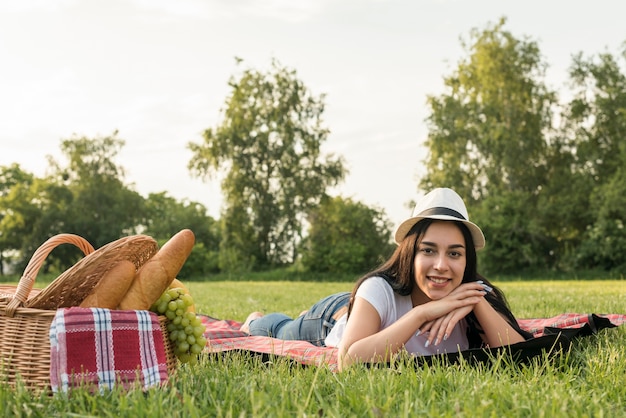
[[443, 314]]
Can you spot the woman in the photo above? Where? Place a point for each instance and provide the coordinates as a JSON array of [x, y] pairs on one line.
[[427, 298]]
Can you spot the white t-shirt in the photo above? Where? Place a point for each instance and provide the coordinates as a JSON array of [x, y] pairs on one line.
[[391, 306]]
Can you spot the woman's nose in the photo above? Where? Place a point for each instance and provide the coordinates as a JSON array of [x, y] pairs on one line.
[[441, 263]]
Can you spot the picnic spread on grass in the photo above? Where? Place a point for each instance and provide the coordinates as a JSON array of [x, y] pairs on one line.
[[120, 316]]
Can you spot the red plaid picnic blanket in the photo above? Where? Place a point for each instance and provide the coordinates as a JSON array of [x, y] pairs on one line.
[[103, 347], [224, 335]]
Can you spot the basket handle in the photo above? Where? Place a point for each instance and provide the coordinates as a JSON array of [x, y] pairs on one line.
[[27, 281]]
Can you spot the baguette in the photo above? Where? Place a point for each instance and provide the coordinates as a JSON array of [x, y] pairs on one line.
[[154, 277], [112, 287]]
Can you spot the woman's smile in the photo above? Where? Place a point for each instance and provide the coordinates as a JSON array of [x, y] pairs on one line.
[[438, 281]]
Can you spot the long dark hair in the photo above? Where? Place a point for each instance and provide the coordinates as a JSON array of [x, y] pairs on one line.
[[399, 272]]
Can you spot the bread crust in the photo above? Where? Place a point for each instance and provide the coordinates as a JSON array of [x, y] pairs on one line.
[[155, 276], [112, 287]]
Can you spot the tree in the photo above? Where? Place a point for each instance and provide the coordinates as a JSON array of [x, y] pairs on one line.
[[488, 139], [86, 197], [17, 210], [563, 205], [32, 209], [268, 148], [346, 237], [597, 122], [102, 207], [167, 216]]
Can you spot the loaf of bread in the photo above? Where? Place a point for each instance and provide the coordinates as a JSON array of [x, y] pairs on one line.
[[154, 277], [112, 287]]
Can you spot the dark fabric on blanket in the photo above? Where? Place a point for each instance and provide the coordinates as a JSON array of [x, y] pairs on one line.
[[550, 344], [571, 324]]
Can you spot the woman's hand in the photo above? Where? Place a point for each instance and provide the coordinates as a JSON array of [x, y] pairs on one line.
[[444, 319], [441, 327]]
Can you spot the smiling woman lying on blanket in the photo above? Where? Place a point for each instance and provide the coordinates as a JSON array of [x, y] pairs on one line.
[[427, 298]]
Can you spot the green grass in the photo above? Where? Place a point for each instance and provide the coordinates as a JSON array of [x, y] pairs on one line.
[[588, 381]]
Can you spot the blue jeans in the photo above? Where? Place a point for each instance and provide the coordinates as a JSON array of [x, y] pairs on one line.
[[313, 326]]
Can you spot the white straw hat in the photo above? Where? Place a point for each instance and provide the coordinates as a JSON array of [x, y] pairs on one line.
[[443, 204]]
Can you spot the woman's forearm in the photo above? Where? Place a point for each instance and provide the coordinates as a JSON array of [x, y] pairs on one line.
[[382, 345], [497, 330]]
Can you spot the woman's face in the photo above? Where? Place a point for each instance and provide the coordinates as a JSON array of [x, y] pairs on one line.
[[440, 260]]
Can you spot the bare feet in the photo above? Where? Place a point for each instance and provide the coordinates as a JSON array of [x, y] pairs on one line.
[[246, 325]]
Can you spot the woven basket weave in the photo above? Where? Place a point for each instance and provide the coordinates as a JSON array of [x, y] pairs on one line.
[[26, 313]]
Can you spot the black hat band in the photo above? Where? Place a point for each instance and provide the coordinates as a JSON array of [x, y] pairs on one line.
[[441, 211]]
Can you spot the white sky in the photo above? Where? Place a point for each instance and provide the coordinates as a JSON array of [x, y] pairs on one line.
[[157, 71]]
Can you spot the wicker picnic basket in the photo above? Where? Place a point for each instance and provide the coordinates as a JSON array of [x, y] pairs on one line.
[[26, 312]]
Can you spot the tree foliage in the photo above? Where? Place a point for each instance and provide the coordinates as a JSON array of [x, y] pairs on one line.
[[17, 210], [488, 139], [166, 216], [102, 207], [268, 149], [87, 197], [346, 236], [31, 210], [546, 195], [597, 122], [487, 134]]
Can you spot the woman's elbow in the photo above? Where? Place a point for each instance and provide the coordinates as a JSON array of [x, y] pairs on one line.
[[507, 339], [344, 359]]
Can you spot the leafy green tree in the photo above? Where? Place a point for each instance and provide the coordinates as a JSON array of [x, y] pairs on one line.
[[346, 236], [597, 121], [488, 139], [167, 216], [17, 211], [86, 197], [102, 207], [562, 209], [268, 149], [33, 209]]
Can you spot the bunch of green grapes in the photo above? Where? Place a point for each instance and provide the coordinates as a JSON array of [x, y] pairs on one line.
[[184, 327]]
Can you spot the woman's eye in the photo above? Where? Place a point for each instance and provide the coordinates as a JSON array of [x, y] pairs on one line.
[[455, 254], [428, 250]]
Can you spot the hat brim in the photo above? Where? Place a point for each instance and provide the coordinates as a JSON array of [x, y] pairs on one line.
[[405, 227]]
